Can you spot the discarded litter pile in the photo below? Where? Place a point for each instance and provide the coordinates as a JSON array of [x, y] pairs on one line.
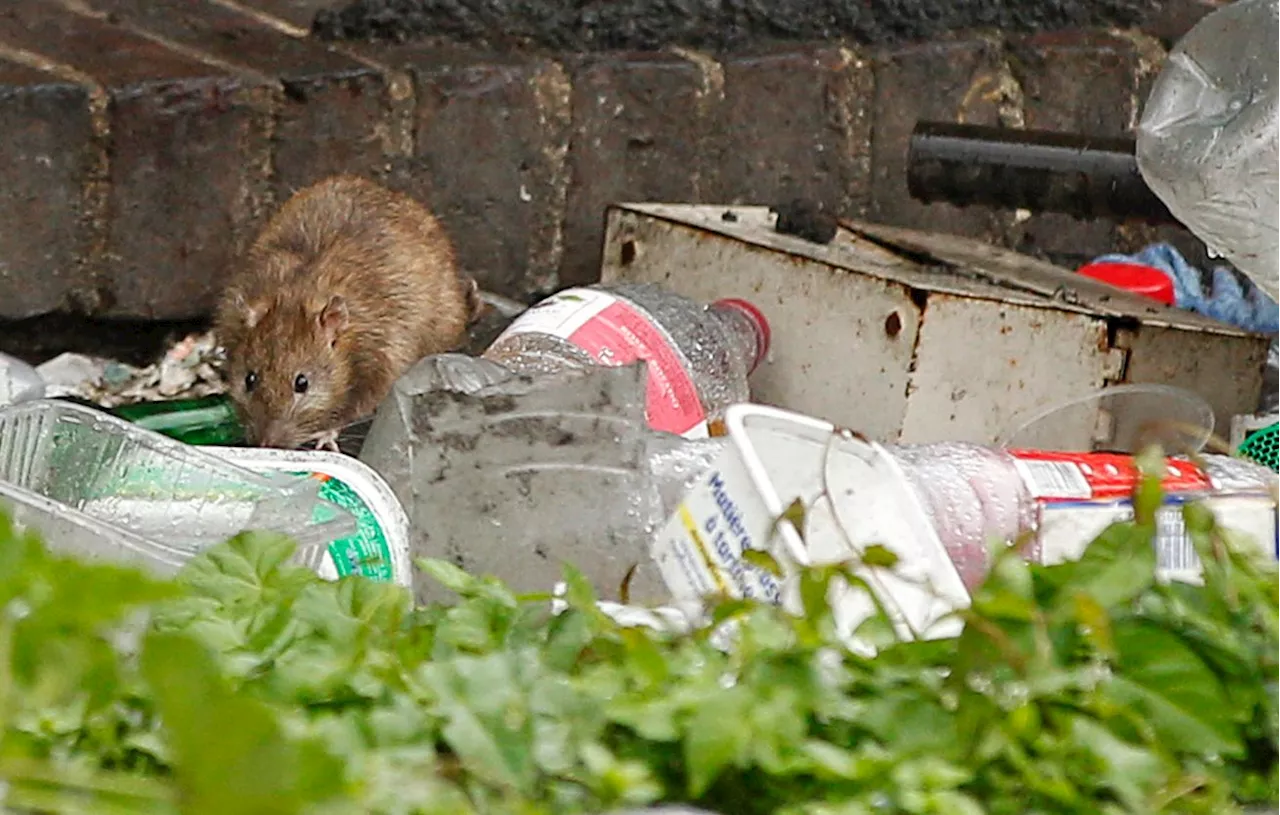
[[730, 599], [1085, 687], [661, 484]]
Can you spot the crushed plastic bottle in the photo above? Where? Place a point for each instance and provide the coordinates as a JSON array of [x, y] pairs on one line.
[[19, 382], [699, 356], [1207, 141], [514, 475]]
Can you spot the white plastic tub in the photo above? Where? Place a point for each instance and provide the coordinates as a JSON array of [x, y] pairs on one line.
[[379, 548], [776, 456]]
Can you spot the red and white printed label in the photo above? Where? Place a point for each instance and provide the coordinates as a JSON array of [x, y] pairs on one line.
[[1052, 476], [615, 333]]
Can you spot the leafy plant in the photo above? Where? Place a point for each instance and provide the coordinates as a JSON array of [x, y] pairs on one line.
[[249, 685]]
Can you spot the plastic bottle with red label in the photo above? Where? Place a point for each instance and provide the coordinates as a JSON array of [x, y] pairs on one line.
[[698, 356], [972, 495]]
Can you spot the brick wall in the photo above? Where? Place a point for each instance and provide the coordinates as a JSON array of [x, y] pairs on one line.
[[145, 139]]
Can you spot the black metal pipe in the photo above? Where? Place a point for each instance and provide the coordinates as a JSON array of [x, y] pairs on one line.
[[1084, 176]]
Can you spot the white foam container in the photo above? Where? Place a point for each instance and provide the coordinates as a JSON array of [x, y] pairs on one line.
[[774, 457], [383, 526]]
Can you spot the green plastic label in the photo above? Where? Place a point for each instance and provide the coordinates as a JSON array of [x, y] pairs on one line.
[[366, 552]]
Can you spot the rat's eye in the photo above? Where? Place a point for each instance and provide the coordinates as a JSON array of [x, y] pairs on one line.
[[300, 383], [250, 381]]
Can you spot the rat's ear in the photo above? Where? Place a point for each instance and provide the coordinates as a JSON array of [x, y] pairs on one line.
[[333, 318]]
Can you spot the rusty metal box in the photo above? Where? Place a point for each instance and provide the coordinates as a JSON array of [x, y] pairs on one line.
[[917, 337]]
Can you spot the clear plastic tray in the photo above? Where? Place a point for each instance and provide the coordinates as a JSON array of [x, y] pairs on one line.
[[101, 487]]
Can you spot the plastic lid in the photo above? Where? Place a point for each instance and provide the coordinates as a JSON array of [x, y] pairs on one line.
[[1145, 280], [763, 334]]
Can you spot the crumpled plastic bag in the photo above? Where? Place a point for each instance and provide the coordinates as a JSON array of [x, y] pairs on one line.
[[1207, 141], [1225, 299]]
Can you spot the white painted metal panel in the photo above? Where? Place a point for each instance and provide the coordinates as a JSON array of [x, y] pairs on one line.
[[981, 366]]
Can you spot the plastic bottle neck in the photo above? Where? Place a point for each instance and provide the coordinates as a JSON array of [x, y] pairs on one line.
[[751, 316]]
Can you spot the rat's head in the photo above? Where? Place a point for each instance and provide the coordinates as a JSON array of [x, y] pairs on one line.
[[284, 367]]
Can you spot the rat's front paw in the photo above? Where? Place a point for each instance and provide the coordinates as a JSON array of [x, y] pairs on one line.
[[328, 442]]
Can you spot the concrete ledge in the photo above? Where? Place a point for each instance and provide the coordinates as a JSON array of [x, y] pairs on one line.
[[145, 139]]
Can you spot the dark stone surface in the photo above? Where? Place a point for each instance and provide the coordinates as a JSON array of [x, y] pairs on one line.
[[232, 36], [136, 342], [715, 24], [181, 179], [45, 156], [639, 129], [328, 125], [110, 54], [490, 144], [177, 174], [945, 80], [792, 124], [331, 110], [298, 14]]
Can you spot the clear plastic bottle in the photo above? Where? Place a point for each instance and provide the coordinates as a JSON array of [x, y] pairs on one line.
[[1207, 143], [699, 356]]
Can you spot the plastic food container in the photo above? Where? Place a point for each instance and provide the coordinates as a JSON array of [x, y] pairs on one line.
[[774, 457], [98, 486], [379, 547]]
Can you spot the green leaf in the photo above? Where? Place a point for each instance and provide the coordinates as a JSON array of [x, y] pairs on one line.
[[879, 556], [1118, 566], [448, 575], [220, 735], [1148, 495], [794, 514], [249, 571], [484, 703], [351, 608], [716, 737], [763, 560], [841, 763], [1182, 699], [1128, 770], [579, 593]]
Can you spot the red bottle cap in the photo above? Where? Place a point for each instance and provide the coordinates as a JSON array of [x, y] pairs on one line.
[[1145, 280], [763, 334]]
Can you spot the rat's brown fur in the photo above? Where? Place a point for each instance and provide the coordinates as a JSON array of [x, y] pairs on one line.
[[348, 285]]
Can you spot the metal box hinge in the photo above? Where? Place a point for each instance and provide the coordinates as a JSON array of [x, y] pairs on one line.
[[1115, 369], [1116, 365]]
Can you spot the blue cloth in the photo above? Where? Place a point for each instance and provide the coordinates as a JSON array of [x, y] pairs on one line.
[[1246, 307]]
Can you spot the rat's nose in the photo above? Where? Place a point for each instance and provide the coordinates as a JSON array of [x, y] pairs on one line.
[[273, 435]]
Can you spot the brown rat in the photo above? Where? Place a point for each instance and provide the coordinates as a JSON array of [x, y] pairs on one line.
[[345, 287]]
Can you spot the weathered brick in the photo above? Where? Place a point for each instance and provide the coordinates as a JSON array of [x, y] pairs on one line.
[[332, 112], [180, 205], [945, 80], [793, 123], [44, 159], [491, 136], [638, 126], [298, 14], [1073, 82], [180, 134]]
